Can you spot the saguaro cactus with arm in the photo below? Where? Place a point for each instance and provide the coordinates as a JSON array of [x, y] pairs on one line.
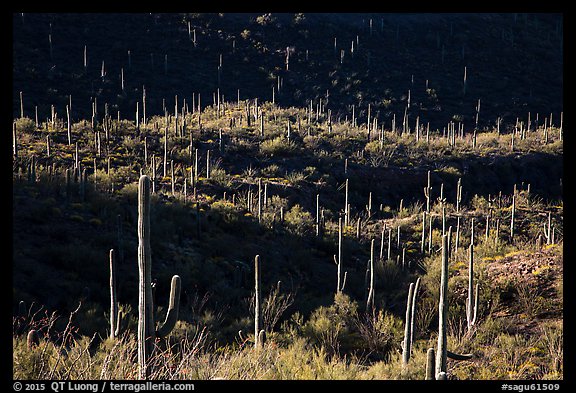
[[146, 328]]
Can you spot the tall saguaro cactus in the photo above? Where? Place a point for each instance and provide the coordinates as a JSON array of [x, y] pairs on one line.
[[472, 301], [14, 141], [114, 322], [547, 230], [413, 311], [146, 329], [512, 218], [256, 300], [458, 194], [346, 207], [427, 192], [442, 311], [338, 286], [371, 294], [407, 327], [145, 307]]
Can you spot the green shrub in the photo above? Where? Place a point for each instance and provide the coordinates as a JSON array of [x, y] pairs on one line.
[[272, 170], [332, 326], [278, 146], [299, 221], [25, 124]]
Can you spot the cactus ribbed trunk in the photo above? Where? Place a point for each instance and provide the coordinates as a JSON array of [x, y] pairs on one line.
[[259, 200], [407, 327], [422, 245], [338, 288], [165, 160], [317, 214], [427, 192], [346, 207], [430, 355], [512, 218], [256, 300], [430, 235], [470, 300], [146, 334], [208, 164], [443, 312], [457, 242], [458, 194], [68, 125], [15, 141], [113, 298], [382, 242], [388, 256], [413, 311], [370, 300]]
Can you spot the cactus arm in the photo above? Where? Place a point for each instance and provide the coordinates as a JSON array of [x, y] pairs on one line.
[[457, 356], [173, 307], [475, 306]]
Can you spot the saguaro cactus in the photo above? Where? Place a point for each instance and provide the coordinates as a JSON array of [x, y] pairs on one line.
[[259, 200], [442, 311], [370, 300], [146, 332], [407, 327], [339, 263], [317, 214], [346, 207], [547, 230], [413, 311], [14, 141], [114, 323], [427, 191], [472, 301], [430, 357], [458, 194], [257, 301], [512, 218], [457, 242], [146, 329]]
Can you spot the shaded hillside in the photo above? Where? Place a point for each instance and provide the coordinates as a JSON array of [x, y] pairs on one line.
[[513, 63]]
